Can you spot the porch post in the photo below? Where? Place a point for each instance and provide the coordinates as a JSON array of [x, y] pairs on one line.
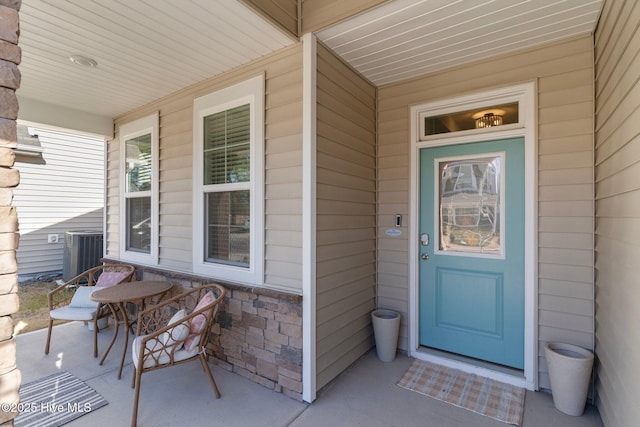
[[309, 218], [10, 56]]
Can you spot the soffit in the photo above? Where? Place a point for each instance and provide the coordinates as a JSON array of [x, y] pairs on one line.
[[144, 49], [148, 49], [403, 39]]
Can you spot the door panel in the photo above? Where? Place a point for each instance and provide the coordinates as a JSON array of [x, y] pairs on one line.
[[472, 270], [471, 301]]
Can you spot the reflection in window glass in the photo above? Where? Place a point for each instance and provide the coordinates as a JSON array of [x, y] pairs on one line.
[[228, 227], [138, 193], [496, 115], [138, 164], [470, 205], [139, 224]]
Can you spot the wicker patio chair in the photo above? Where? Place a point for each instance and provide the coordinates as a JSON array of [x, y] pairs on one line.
[[70, 301], [175, 331]]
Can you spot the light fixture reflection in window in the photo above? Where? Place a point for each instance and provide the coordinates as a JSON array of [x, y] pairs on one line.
[[488, 120]]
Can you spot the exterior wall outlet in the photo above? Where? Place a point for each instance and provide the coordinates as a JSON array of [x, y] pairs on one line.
[[52, 238]]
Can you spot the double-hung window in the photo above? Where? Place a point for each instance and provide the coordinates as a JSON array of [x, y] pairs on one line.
[[139, 190], [228, 181]]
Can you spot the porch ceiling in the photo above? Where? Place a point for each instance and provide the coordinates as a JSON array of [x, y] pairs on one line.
[[148, 49], [144, 49], [408, 38]]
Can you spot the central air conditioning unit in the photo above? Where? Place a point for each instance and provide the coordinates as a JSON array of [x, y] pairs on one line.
[[82, 251]]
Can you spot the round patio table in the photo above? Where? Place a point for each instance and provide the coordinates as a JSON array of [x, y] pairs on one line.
[[116, 297]]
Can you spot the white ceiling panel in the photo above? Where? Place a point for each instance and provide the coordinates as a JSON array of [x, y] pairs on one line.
[[147, 49], [407, 38], [144, 49]]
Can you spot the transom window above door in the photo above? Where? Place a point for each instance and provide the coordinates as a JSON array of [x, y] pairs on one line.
[[482, 117]]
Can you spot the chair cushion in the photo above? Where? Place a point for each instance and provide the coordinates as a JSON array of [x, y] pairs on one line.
[[73, 313], [192, 341], [197, 322], [80, 307], [162, 358], [110, 278], [178, 333], [81, 298]]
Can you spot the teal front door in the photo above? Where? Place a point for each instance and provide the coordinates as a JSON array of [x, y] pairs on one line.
[[471, 250]]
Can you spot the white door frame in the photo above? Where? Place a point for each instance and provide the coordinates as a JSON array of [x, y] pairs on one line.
[[525, 95]]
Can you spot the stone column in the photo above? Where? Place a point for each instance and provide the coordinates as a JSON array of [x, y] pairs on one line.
[[10, 56]]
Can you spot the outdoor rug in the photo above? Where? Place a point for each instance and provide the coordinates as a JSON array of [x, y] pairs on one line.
[[485, 396], [56, 400]]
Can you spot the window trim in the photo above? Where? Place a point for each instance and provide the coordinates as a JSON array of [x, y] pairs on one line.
[[146, 125], [466, 103], [252, 92]]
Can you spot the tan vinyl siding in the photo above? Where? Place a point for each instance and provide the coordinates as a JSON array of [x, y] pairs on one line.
[[617, 47], [283, 174], [60, 190], [317, 14], [345, 246], [283, 13], [563, 72]]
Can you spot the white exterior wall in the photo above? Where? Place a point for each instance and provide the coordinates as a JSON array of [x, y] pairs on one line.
[[60, 190]]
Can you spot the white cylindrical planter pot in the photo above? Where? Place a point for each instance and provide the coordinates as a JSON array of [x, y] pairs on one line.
[[386, 326], [570, 374], [103, 323]]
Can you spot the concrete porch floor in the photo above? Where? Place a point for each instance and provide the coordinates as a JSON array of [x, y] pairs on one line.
[[365, 395]]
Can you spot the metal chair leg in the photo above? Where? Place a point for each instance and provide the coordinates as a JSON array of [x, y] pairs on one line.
[[46, 347], [136, 396], [205, 365]]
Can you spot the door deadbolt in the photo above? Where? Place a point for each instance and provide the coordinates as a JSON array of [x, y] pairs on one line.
[[424, 256]]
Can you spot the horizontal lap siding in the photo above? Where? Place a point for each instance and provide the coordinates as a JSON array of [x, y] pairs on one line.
[[283, 168], [345, 245], [617, 205], [565, 205], [564, 73], [176, 136], [60, 190], [283, 174]]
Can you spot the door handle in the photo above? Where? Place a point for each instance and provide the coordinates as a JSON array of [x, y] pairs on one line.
[[424, 256]]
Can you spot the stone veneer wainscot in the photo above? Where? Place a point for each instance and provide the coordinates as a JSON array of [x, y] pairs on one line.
[[258, 334]]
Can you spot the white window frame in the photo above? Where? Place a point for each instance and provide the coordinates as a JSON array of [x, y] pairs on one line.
[[143, 126], [248, 92]]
